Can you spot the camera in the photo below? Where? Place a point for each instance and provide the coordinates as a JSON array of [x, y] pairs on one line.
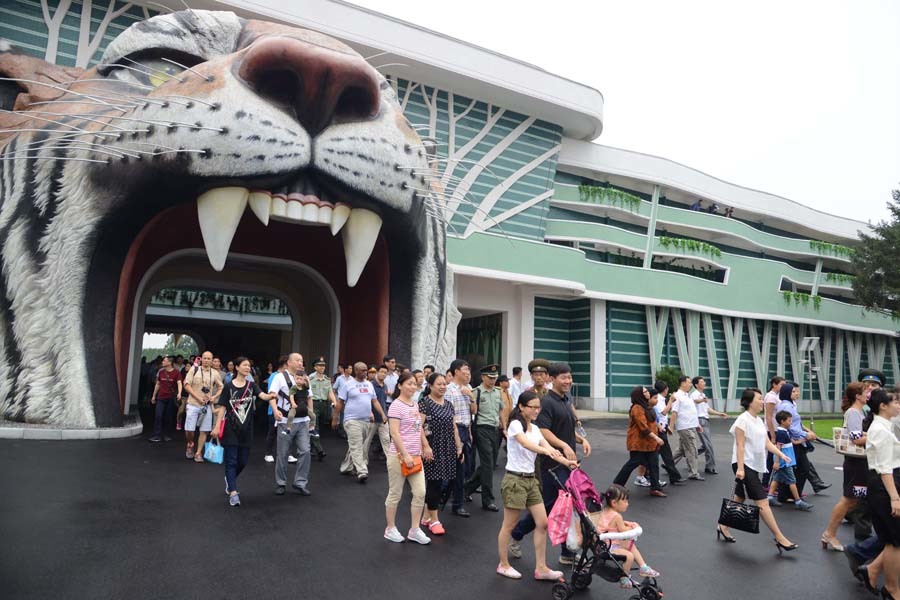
[[205, 389]]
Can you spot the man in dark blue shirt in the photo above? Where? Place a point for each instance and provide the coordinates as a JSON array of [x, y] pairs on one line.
[[557, 423]]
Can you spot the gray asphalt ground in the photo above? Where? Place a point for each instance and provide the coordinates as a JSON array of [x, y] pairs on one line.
[[130, 519]]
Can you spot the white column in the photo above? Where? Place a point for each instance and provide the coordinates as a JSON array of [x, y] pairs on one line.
[[598, 398], [526, 327]]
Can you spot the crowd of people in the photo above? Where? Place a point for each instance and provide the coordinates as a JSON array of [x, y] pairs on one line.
[[442, 436]]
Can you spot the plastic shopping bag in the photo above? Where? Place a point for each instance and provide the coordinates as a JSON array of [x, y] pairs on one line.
[[573, 536], [213, 452], [560, 518]]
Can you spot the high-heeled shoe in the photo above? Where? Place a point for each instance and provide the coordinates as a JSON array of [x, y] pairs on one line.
[[782, 548], [830, 543], [720, 535], [862, 573]]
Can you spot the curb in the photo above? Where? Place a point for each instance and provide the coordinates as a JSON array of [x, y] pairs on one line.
[[48, 433]]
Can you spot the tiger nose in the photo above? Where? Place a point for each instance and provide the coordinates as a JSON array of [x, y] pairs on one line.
[[318, 84]]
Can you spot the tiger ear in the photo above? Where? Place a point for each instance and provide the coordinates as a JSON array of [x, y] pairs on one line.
[[28, 79]]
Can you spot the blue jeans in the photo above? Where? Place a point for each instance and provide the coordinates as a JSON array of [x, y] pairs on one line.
[[549, 491], [866, 550], [165, 409], [236, 458]]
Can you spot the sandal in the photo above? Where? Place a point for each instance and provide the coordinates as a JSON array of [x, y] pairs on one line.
[[436, 528], [198, 458], [625, 583], [647, 571]]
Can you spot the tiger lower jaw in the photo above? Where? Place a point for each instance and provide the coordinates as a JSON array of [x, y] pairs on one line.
[[219, 212]]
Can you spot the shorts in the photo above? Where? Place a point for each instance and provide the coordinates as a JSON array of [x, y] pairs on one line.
[[520, 492], [750, 488], [194, 416], [784, 475]]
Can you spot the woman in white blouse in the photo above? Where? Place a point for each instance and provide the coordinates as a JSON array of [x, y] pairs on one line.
[[748, 461], [883, 454]]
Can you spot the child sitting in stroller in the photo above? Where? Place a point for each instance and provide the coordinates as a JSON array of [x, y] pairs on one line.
[[609, 519]]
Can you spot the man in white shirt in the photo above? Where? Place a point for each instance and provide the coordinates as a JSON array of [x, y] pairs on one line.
[[390, 382], [358, 403], [515, 384], [299, 429], [683, 419], [703, 412]]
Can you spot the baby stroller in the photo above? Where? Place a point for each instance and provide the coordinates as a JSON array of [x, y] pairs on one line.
[[595, 557]]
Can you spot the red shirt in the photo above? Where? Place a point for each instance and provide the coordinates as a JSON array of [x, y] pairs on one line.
[[168, 384]]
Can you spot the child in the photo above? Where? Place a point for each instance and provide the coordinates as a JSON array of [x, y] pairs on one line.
[[610, 519], [784, 473]]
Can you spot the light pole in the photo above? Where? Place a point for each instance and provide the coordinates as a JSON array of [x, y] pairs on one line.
[[809, 345]]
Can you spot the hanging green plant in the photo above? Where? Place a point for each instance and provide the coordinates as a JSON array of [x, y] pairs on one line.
[[801, 298], [609, 196], [832, 249], [690, 245], [787, 297], [839, 278]]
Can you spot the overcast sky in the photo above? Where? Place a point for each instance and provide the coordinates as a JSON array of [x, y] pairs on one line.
[[796, 98]]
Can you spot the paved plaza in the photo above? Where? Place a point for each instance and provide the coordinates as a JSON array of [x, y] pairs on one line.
[[129, 519]]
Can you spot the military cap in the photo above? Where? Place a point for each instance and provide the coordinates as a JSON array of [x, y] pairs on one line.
[[539, 364], [872, 375], [491, 371], [320, 361]]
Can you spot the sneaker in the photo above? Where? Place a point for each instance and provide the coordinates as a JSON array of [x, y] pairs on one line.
[[803, 505], [155, 439], [508, 572], [566, 559], [234, 500], [515, 549], [292, 459], [362, 479], [696, 477], [641, 481], [773, 501], [189, 454], [418, 536], [269, 458], [167, 438], [662, 483], [393, 535]]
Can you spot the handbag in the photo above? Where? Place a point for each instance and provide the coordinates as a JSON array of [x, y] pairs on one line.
[[560, 518], [843, 443], [213, 452], [407, 471], [810, 447], [737, 515]]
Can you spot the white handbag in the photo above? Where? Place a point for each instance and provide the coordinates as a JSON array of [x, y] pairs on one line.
[[843, 444]]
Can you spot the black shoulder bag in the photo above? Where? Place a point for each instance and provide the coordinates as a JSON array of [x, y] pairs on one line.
[[738, 515]]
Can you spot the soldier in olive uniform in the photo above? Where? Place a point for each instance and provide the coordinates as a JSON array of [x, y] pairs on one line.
[[538, 368], [490, 418], [323, 400]]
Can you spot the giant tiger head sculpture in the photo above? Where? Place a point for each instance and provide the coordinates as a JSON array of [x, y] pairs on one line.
[[209, 114]]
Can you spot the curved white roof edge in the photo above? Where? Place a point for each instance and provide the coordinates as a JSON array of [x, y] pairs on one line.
[[435, 59], [673, 175]]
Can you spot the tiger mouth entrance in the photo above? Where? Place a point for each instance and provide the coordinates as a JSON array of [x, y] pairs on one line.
[[282, 268]]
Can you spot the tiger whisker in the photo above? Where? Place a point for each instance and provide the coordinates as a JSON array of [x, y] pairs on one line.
[[38, 157], [160, 71], [55, 114], [391, 65], [31, 116], [159, 122], [368, 58], [206, 78], [70, 136], [474, 206], [57, 87], [135, 99], [109, 80], [42, 102]]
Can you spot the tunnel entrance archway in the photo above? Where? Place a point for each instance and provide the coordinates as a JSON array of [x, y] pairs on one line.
[[310, 322]]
